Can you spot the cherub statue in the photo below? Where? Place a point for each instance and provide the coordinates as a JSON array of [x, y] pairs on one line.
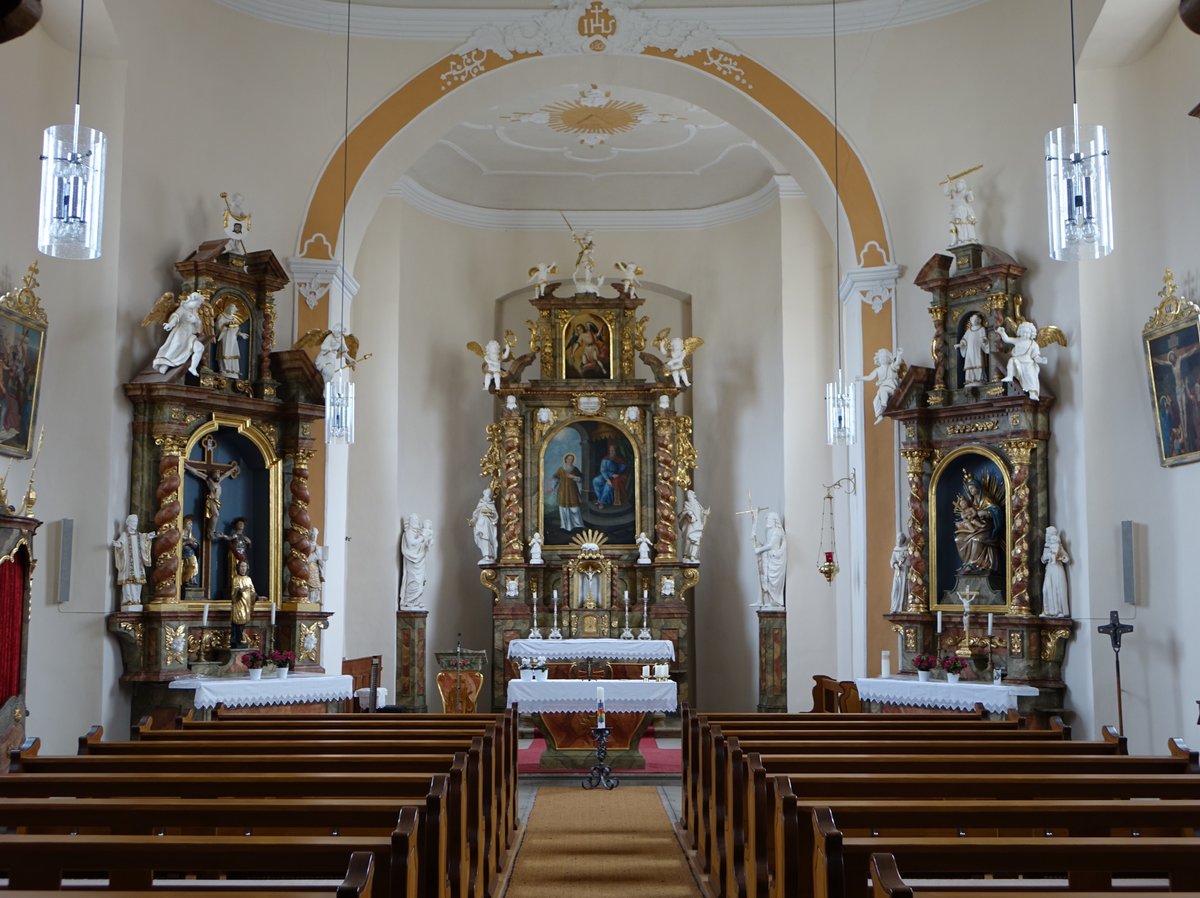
[[630, 272], [889, 367], [189, 326], [1026, 354], [336, 350], [539, 276], [643, 544], [492, 356], [677, 349]]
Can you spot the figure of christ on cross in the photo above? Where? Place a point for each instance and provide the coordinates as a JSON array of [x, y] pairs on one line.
[[212, 473], [966, 596]]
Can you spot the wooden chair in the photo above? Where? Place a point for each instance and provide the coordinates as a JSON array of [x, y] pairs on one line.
[[365, 672]]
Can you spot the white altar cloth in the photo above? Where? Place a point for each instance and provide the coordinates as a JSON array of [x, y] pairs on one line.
[[566, 696], [242, 692], [599, 649], [940, 694]]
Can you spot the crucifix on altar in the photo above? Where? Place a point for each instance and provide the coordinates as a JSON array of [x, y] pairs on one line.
[[212, 474]]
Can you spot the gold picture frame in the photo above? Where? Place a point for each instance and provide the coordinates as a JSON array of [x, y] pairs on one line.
[[23, 325], [1172, 344]]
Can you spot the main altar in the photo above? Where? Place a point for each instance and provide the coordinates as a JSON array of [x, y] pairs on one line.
[[587, 465]]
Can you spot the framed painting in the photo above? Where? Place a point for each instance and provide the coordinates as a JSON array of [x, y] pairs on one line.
[[22, 341], [1172, 341], [589, 478], [587, 347]]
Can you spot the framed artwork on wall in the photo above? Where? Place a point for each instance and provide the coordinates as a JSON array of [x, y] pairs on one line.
[[22, 339], [1172, 341]]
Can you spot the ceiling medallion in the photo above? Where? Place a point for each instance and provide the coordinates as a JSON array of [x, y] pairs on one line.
[[594, 116]]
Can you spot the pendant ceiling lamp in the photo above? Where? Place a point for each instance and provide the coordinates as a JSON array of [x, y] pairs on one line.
[[71, 208], [1078, 188], [339, 389], [841, 413]]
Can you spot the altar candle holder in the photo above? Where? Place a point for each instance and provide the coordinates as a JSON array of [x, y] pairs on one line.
[[534, 631], [555, 633], [627, 633], [645, 633]]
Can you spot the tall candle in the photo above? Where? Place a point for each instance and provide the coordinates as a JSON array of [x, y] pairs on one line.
[[989, 623], [600, 707], [939, 622], [885, 664], [627, 597], [899, 649], [272, 614], [204, 619], [556, 596]]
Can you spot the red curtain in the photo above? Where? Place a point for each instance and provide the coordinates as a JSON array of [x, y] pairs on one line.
[[12, 609]]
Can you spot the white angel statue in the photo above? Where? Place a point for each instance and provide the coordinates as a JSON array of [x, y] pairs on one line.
[[1023, 363], [189, 326], [539, 276], [336, 350], [677, 349], [492, 357], [889, 367], [630, 272]]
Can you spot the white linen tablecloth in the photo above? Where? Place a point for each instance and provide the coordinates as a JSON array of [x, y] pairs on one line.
[[242, 692], [599, 649], [940, 694], [566, 696]]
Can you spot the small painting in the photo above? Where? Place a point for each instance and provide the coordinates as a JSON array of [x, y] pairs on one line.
[[1172, 339], [22, 335], [587, 347], [589, 482]]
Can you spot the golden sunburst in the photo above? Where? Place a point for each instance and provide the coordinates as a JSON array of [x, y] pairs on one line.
[[589, 542], [577, 117]]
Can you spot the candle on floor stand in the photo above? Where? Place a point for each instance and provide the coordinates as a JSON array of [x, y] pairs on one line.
[[204, 619], [885, 664], [599, 707]]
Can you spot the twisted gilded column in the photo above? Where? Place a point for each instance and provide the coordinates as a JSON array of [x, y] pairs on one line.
[[299, 544], [937, 347], [512, 550], [664, 487], [268, 337], [918, 529], [1019, 453], [166, 548]]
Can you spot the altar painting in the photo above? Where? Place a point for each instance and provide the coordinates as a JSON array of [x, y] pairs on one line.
[[971, 523], [587, 347], [1174, 361], [589, 477]]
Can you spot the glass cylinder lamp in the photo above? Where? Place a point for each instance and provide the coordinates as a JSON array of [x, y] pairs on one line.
[[840, 412], [339, 408], [1078, 193], [71, 210]]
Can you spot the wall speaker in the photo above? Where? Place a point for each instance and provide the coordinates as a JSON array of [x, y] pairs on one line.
[[1128, 562], [66, 533]]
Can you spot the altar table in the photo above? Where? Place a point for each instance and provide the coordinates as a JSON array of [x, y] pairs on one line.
[[940, 694], [598, 649], [242, 692], [565, 711]]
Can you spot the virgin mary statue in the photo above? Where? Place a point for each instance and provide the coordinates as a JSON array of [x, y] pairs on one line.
[[977, 530]]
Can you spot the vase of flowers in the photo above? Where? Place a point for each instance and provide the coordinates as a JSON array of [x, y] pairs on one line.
[[283, 661], [924, 664], [253, 662], [534, 668], [952, 665]]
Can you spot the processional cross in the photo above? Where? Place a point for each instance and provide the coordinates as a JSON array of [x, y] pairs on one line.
[[1114, 630], [753, 511]]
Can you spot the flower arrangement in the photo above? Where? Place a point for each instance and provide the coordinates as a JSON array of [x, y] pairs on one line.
[[925, 662], [538, 663], [253, 660], [953, 664], [283, 659]]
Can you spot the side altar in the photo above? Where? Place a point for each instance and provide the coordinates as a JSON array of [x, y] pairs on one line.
[[975, 436], [589, 471], [216, 555]]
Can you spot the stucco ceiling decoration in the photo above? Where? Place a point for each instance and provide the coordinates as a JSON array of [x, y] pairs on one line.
[[595, 115]]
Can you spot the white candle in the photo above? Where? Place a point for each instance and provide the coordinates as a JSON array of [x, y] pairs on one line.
[[556, 596], [645, 594], [627, 597], [600, 696], [899, 649], [204, 619], [939, 622], [645, 671], [885, 664], [272, 614], [989, 623]]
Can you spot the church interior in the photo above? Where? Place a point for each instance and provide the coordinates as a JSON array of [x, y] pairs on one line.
[[573, 277]]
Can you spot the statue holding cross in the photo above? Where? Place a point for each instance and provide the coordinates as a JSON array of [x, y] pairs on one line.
[[770, 555], [212, 473]]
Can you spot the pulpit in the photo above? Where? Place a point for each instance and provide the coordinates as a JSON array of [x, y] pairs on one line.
[[16, 569]]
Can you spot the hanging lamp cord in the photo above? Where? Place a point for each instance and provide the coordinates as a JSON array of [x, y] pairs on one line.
[[1074, 89], [79, 59], [837, 196], [345, 191]]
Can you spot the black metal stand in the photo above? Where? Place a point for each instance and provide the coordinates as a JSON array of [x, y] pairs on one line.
[[601, 774]]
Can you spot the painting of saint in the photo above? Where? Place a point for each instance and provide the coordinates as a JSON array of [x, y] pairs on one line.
[[1175, 382], [587, 347], [20, 358], [589, 482]]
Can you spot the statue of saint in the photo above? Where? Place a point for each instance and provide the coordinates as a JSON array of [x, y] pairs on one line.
[[241, 604], [131, 556], [484, 521], [238, 543], [900, 564], [1054, 584], [980, 520], [972, 347], [414, 547], [772, 561], [691, 521], [190, 573], [228, 333], [316, 568]]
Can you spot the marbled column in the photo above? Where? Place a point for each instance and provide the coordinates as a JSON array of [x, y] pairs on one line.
[[512, 550], [410, 660], [166, 550], [918, 530], [1019, 453], [664, 488], [299, 544], [772, 660]]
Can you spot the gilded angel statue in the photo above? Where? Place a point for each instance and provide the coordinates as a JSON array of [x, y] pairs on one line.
[[630, 272], [539, 276], [492, 356], [337, 350], [676, 349], [189, 327], [1026, 357]]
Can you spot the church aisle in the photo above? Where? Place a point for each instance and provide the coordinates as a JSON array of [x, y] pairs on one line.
[[597, 844]]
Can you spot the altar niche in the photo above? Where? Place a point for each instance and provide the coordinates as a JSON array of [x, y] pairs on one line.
[[231, 477], [589, 477]]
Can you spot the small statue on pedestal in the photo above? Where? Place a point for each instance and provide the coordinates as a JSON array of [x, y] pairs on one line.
[[535, 548], [676, 349], [643, 544], [972, 346], [228, 334], [414, 547], [1054, 584], [772, 562], [131, 556], [493, 356], [484, 521], [190, 545], [316, 568], [241, 604], [630, 272], [962, 214], [900, 564]]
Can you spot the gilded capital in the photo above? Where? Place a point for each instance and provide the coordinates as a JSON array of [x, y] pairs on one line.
[[916, 459], [171, 444], [1020, 451]]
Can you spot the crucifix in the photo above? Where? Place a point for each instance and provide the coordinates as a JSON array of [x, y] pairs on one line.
[[212, 473], [753, 511], [1114, 630], [966, 596]]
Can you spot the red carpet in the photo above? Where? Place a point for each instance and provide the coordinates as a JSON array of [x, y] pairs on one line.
[[658, 760]]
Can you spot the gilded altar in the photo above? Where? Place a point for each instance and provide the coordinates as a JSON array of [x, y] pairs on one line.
[[975, 450], [587, 463]]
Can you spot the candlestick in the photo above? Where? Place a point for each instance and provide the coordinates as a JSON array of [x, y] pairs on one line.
[[535, 631], [989, 623], [555, 633], [204, 619], [627, 633], [645, 632], [939, 622]]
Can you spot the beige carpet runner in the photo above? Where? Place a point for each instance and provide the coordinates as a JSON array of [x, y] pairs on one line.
[[596, 844]]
